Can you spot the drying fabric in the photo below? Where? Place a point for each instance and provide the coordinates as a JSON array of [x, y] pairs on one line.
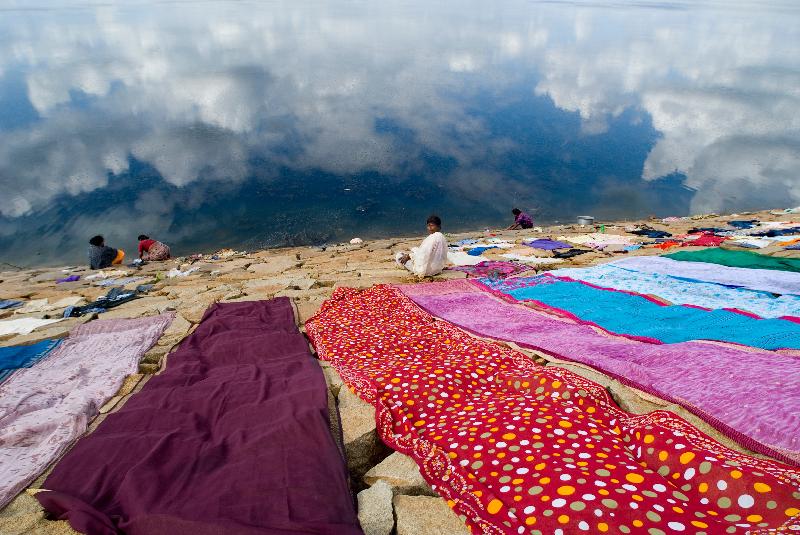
[[15, 357], [778, 282], [45, 408], [232, 437], [547, 244], [651, 233], [477, 251], [634, 315], [705, 240], [740, 259], [598, 240], [569, 253], [704, 377], [115, 297], [23, 325], [753, 243], [776, 232], [467, 241], [71, 278], [685, 292], [516, 447], [119, 282], [460, 258], [107, 274], [710, 230], [492, 269], [534, 260], [175, 272], [9, 303], [667, 245], [741, 224]]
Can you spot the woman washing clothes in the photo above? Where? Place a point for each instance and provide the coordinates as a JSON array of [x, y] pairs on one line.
[[152, 250], [101, 256]]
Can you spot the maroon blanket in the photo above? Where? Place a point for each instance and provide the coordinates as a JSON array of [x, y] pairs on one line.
[[232, 438]]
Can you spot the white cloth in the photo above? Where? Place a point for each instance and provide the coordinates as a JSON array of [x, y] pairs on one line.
[[429, 258], [460, 258], [23, 325]]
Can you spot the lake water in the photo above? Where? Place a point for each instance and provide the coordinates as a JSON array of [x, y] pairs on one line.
[[251, 124]]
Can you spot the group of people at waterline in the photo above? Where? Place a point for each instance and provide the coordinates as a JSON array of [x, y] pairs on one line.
[[424, 261], [102, 256]]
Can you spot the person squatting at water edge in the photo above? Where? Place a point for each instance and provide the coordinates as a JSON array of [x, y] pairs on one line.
[[521, 220], [152, 250], [430, 257], [101, 256]]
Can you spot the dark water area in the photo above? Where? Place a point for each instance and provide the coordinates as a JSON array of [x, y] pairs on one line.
[[260, 124]]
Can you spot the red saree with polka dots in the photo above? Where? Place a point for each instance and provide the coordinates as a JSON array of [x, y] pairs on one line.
[[516, 447]]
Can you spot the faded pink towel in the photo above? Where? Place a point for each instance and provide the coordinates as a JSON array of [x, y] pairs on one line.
[[43, 409]]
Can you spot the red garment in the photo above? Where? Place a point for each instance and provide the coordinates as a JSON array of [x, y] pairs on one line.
[[705, 240], [515, 447], [145, 245]]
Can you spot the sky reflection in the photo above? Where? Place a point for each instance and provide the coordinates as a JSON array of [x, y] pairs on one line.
[[249, 124]]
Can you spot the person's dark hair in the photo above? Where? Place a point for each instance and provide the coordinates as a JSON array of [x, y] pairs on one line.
[[516, 211], [96, 240], [143, 237], [435, 220]]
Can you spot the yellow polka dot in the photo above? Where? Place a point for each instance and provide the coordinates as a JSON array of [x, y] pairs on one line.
[[540, 466], [602, 526], [563, 519], [556, 384], [494, 506], [419, 423], [634, 478], [531, 520], [698, 524], [565, 424], [638, 523], [649, 439], [687, 457], [791, 511], [761, 487], [662, 455], [736, 474], [509, 436], [702, 487], [755, 518], [451, 503], [544, 480], [566, 490], [396, 380]]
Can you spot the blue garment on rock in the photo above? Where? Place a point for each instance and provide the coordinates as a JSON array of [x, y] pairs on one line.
[[477, 251], [15, 357], [635, 315], [743, 224], [9, 303]]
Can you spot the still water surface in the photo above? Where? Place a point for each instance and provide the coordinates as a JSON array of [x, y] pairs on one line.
[[248, 124]]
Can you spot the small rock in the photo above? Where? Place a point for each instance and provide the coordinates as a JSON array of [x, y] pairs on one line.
[[356, 241], [362, 446], [375, 509], [422, 514], [401, 473]]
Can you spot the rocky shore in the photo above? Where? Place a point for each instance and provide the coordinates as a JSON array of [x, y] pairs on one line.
[[392, 496]]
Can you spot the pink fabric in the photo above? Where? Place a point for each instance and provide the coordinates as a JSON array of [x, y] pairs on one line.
[[492, 269], [751, 395], [43, 409]]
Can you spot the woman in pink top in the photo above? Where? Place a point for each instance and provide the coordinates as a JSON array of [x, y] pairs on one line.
[[151, 250]]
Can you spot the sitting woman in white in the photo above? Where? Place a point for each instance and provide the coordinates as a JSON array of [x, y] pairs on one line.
[[430, 257]]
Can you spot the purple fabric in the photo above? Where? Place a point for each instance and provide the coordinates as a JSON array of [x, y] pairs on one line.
[[71, 278], [43, 409], [233, 437], [726, 386], [767, 280], [547, 244], [492, 269]]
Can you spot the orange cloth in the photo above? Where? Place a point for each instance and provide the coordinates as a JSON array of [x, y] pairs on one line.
[[120, 257]]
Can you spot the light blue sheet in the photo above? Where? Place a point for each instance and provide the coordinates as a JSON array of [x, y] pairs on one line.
[[684, 292]]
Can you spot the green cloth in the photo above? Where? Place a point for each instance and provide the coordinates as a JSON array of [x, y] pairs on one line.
[[742, 259]]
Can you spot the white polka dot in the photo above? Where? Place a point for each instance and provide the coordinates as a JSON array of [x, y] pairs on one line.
[[584, 456], [588, 497], [505, 488], [598, 513], [528, 510], [629, 487], [722, 485], [633, 505], [688, 474], [522, 471], [659, 487], [583, 525], [521, 530], [746, 501], [704, 501], [558, 532], [676, 526], [501, 444], [658, 508], [524, 442], [565, 477], [559, 502]]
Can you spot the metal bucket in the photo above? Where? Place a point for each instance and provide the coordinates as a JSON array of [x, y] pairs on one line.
[[585, 220]]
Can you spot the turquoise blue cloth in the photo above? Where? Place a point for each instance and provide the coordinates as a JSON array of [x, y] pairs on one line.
[[477, 251], [14, 357], [635, 315]]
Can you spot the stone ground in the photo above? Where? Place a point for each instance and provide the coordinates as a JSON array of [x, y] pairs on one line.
[[392, 496]]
